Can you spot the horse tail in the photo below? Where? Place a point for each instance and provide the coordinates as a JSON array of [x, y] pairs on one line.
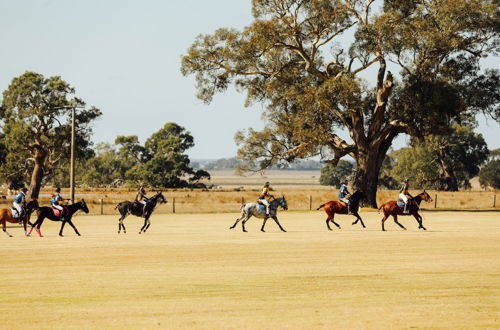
[[322, 205], [117, 205], [381, 206]]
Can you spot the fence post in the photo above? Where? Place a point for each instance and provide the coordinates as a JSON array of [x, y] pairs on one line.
[[494, 201], [436, 201], [173, 204], [102, 205], [242, 200], [310, 202]]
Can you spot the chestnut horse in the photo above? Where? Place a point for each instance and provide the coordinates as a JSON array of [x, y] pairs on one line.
[[6, 216], [338, 207], [392, 208]]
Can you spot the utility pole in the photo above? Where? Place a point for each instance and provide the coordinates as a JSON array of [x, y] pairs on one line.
[[72, 164]]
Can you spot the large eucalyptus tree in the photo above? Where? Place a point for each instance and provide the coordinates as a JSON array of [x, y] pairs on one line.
[[310, 63]]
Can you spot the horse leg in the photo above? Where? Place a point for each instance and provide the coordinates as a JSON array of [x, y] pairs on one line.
[[149, 224], [358, 218], [263, 224], [328, 223], [74, 227], [275, 218], [238, 220], [244, 222], [120, 223], [4, 227], [395, 216], [62, 227], [336, 224], [420, 221], [383, 220], [144, 226]]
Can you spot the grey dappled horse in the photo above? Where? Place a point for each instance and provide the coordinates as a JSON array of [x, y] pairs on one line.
[[255, 209]]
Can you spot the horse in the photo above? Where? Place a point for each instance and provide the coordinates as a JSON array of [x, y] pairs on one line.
[[125, 208], [6, 216], [392, 208], [48, 212], [259, 211], [339, 207]]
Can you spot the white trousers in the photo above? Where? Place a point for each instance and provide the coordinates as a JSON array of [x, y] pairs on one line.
[[18, 209], [404, 198]]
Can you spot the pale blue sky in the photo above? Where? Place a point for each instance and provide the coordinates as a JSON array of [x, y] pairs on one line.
[[124, 58]]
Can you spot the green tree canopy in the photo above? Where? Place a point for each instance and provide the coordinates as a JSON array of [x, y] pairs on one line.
[[162, 159], [294, 59], [490, 174], [442, 162], [36, 120], [332, 175]]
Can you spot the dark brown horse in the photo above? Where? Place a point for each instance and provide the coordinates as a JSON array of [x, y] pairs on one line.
[[6, 216], [338, 207], [392, 208]]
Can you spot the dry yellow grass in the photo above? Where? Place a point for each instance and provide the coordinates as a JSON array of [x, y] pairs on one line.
[[190, 271]]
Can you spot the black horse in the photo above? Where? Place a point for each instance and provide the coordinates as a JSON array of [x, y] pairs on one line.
[[48, 212], [125, 208]]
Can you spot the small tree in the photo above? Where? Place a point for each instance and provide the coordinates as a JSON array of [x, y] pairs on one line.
[[489, 176], [332, 175], [162, 159]]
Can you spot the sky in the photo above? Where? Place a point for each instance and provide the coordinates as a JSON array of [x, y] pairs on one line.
[[124, 58]]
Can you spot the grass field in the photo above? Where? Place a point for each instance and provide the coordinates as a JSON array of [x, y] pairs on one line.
[[191, 271]]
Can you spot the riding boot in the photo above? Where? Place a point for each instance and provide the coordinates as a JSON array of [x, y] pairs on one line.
[[405, 210], [267, 211]]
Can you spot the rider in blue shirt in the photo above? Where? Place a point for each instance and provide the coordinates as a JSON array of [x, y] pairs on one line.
[[344, 194], [19, 203], [56, 199]]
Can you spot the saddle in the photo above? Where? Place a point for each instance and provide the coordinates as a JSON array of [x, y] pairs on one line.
[[57, 212]]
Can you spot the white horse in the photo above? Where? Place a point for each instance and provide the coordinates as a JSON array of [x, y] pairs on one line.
[[259, 211]]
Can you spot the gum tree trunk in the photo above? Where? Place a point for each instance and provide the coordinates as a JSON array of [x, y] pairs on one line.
[[38, 173]]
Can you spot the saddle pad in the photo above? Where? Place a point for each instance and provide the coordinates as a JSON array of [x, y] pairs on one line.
[[57, 213], [14, 213], [401, 203], [262, 207]]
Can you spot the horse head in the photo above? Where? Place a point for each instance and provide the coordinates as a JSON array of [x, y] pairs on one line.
[[83, 206], [160, 198], [283, 203], [425, 196]]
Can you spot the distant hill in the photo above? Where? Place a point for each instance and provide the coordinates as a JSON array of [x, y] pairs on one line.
[[231, 163]]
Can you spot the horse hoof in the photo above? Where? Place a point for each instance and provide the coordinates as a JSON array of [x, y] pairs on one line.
[[61, 235]]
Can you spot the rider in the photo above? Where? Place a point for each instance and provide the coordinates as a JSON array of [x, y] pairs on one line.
[[55, 202], [405, 195], [264, 196], [141, 198], [344, 194], [19, 203]]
